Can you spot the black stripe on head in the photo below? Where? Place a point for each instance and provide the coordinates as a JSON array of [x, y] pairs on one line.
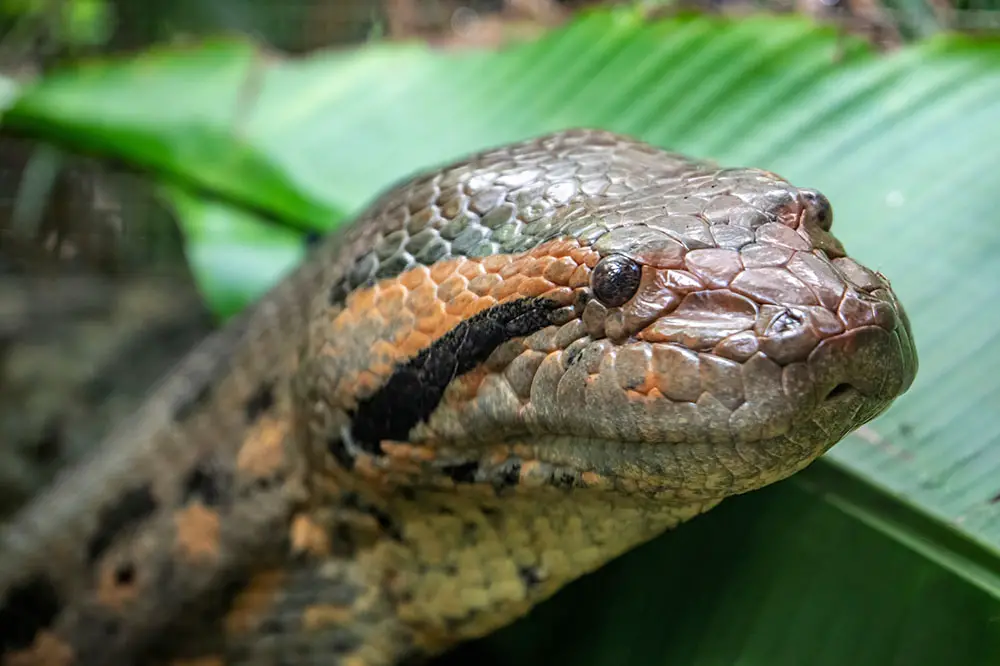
[[416, 387]]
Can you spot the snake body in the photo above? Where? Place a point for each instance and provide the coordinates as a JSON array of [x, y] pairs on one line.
[[504, 373]]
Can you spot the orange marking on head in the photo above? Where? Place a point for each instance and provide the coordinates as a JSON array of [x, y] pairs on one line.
[[415, 277], [509, 288], [249, 605], [537, 268], [434, 319], [386, 472], [405, 451], [325, 615], [560, 270], [535, 286], [47, 650], [556, 248], [484, 284], [361, 300], [470, 269], [593, 479], [443, 269], [366, 468], [451, 288], [580, 277], [495, 262], [308, 537], [263, 453], [394, 320], [389, 299], [586, 256], [422, 295], [413, 342], [483, 303], [197, 532], [465, 387], [511, 268], [561, 295], [384, 355], [460, 304]]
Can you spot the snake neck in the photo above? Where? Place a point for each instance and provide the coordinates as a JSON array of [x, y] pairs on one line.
[[457, 563]]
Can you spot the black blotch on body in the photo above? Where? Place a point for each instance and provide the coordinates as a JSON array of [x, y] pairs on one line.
[[199, 630], [530, 576], [261, 401], [130, 509], [343, 543], [230, 588], [461, 473], [563, 479], [507, 475], [188, 404], [416, 387], [335, 445], [125, 573], [206, 483], [352, 500], [27, 609]]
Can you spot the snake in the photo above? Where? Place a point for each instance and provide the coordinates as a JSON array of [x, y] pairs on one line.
[[503, 373]]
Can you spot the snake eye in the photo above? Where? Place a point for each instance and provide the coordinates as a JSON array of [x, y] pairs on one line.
[[819, 207], [615, 279]]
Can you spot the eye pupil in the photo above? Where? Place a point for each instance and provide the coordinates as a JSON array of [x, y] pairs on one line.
[[615, 279]]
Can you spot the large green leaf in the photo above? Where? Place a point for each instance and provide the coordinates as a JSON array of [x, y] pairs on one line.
[[875, 569]]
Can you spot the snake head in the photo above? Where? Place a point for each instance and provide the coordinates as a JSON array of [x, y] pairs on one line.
[[727, 339], [547, 353], [602, 310]]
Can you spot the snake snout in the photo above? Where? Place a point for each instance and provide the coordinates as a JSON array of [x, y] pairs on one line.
[[873, 361]]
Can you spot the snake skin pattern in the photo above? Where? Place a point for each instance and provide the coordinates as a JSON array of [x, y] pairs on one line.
[[504, 373]]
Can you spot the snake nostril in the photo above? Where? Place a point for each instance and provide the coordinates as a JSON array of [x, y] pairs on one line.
[[819, 207]]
